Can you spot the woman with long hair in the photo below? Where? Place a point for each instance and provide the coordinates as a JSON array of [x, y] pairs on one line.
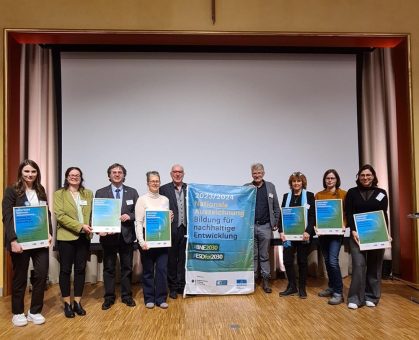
[[27, 191]]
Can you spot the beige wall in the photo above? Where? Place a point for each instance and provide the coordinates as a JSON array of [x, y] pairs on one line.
[[352, 16]]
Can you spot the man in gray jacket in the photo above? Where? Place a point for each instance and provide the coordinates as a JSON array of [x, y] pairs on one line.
[[267, 214]]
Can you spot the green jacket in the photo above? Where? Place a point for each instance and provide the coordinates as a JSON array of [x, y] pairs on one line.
[[65, 210]]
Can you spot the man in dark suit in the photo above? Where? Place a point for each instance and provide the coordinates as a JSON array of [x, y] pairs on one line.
[[122, 243], [175, 191]]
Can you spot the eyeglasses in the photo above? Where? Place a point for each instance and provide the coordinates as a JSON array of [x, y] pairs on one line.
[[177, 171], [330, 178], [74, 176], [154, 182]]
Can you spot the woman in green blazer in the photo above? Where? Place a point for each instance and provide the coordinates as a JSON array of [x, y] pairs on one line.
[[73, 208]]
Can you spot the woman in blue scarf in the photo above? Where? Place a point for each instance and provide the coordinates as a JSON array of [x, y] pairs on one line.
[[298, 197]]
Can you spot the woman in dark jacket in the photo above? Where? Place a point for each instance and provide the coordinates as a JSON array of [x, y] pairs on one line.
[[27, 191], [298, 196], [365, 288]]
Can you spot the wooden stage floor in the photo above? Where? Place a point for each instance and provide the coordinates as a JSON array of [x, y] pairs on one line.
[[255, 316]]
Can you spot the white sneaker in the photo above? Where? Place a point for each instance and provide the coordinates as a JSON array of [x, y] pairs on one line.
[[352, 305], [369, 303], [19, 320], [37, 319]]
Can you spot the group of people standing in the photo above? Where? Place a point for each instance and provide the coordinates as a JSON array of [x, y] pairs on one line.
[[366, 196], [72, 206], [164, 268]]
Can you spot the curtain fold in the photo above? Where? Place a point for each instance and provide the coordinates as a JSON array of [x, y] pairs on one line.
[[379, 129]]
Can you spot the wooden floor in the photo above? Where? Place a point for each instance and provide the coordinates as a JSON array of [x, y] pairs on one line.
[[256, 316]]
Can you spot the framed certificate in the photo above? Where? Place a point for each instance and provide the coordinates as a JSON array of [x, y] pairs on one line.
[[293, 223], [31, 226], [106, 215], [157, 228], [329, 217], [372, 230]]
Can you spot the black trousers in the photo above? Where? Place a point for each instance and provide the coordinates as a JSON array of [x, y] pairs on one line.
[[110, 253], [176, 260], [40, 259], [73, 252], [302, 249]]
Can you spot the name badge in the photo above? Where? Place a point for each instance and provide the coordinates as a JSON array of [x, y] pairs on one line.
[[271, 195], [380, 196], [83, 202], [42, 203], [130, 202]]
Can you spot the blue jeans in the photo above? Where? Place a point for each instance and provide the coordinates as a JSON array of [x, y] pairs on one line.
[[154, 263], [330, 246]]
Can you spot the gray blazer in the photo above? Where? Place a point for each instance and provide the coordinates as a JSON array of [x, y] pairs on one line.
[[273, 203], [127, 228]]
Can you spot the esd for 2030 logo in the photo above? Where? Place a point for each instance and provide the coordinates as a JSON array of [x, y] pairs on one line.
[[221, 283]]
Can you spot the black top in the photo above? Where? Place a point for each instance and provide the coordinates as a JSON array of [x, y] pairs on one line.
[[360, 200], [311, 214], [262, 207]]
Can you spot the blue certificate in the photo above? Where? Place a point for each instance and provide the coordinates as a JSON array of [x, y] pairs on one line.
[[372, 230], [31, 226], [157, 228], [293, 223], [106, 215], [329, 217]]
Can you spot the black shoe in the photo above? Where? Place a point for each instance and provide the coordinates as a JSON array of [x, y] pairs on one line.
[[289, 291], [282, 275], [107, 304], [68, 312], [265, 286], [302, 293], [129, 301], [78, 309], [173, 294], [180, 290]]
